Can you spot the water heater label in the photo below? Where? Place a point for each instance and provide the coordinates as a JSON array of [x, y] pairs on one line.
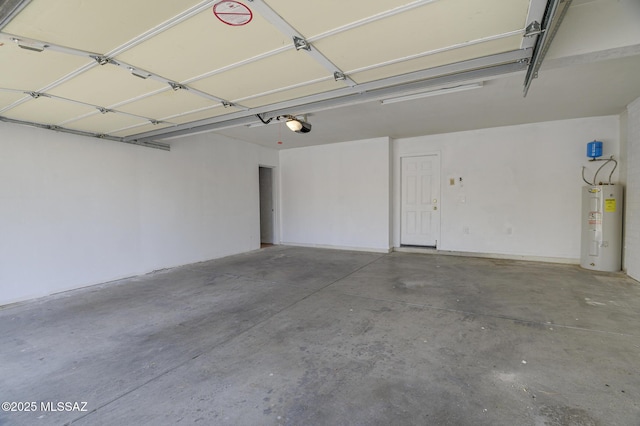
[[595, 218], [233, 13], [610, 205]]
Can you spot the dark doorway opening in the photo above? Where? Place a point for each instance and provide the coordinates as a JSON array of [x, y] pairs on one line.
[[266, 207]]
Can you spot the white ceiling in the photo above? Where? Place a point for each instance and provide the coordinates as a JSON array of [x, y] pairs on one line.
[[227, 74]]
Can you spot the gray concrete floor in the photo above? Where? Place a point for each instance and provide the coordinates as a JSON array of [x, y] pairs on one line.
[[299, 336]]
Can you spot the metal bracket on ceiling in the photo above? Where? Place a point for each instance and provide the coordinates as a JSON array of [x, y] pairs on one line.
[[177, 86], [101, 60], [36, 95], [301, 44], [533, 29], [339, 76], [103, 110]]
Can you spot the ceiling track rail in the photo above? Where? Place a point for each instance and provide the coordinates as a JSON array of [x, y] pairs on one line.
[[549, 27], [146, 144], [515, 61], [535, 15], [9, 9]]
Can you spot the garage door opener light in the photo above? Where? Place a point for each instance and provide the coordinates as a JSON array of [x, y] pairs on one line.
[[297, 125]]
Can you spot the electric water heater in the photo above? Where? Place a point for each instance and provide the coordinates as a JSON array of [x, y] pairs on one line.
[[601, 244]]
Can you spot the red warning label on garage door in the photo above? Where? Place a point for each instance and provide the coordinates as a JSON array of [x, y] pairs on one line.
[[232, 13]]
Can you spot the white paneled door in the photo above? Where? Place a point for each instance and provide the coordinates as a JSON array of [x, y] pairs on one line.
[[420, 209]]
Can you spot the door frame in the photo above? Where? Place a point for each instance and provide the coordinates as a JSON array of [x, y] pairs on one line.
[[397, 193]]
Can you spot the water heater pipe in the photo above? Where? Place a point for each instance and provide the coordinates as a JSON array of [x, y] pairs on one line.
[[595, 176]]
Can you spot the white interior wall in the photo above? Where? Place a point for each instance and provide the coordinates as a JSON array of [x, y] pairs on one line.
[[632, 204], [78, 211], [520, 193], [337, 195]]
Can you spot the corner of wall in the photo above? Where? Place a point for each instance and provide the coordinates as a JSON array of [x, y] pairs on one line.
[[622, 156], [390, 192], [631, 240]]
